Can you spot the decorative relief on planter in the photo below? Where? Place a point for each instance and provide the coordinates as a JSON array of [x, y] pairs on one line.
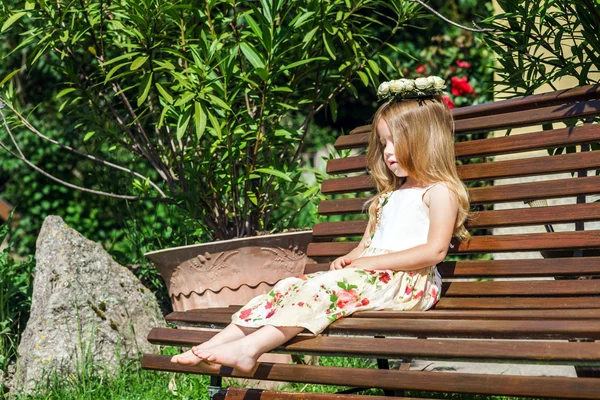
[[230, 272]]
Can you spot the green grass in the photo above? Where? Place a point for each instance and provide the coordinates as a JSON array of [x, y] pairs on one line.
[[131, 382]]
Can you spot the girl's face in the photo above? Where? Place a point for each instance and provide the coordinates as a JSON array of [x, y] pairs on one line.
[[387, 148]]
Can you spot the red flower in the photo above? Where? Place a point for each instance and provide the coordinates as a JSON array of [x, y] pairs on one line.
[[408, 291], [245, 313], [460, 86], [463, 64], [448, 101], [346, 298], [420, 69], [300, 304], [270, 314], [384, 277], [269, 305], [365, 302], [418, 295]]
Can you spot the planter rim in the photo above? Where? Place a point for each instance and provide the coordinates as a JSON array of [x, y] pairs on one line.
[[223, 242]]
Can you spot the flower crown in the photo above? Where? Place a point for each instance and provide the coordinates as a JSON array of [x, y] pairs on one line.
[[411, 88]]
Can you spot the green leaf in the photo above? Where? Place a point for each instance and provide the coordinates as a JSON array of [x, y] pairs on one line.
[[328, 45], [333, 109], [64, 92], [11, 20], [146, 83], [199, 120], [374, 66], [363, 77], [300, 21], [113, 70], [88, 136], [185, 98], [182, 124], [219, 102], [215, 124], [282, 89], [309, 36], [252, 197], [274, 172], [302, 62], [252, 55], [138, 62], [166, 96], [30, 5], [8, 77]]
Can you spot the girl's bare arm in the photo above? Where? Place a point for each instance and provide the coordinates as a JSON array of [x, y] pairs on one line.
[[443, 209]]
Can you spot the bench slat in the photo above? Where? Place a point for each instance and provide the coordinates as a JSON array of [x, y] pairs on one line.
[[223, 316], [554, 113], [259, 394], [485, 219], [490, 194], [506, 385], [523, 288], [487, 243], [580, 93], [587, 133], [434, 327], [478, 171], [520, 268], [550, 267], [569, 353], [515, 303]]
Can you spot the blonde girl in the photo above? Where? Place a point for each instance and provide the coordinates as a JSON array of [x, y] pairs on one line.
[[421, 204]]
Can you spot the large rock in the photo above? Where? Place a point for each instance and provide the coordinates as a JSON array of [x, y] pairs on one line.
[[86, 308]]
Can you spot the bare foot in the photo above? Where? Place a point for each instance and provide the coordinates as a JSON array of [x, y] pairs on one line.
[[232, 354], [190, 359]]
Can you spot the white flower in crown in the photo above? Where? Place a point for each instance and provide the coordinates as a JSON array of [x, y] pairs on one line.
[[409, 88], [397, 86], [384, 89], [422, 83]]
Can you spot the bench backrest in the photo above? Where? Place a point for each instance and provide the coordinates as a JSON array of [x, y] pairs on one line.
[[352, 186]]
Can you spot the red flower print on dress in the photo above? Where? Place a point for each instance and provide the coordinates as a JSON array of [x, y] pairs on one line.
[[384, 277], [463, 64], [418, 295], [270, 314], [300, 304], [434, 292], [408, 291], [460, 86], [244, 314], [346, 298], [448, 101], [365, 302], [269, 305]]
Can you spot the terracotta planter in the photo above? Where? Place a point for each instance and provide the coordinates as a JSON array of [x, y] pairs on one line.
[[230, 272]]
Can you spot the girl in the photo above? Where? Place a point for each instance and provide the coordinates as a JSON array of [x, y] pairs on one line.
[[420, 206]]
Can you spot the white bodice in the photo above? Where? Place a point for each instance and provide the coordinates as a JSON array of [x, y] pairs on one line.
[[404, 220]]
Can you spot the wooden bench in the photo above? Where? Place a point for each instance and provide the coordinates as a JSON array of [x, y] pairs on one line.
[[519, 319]]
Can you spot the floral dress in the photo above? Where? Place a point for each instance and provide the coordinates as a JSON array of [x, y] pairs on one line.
[[316, 300]]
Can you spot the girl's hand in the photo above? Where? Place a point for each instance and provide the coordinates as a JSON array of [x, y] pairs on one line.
[[363, 263], [340, 263]]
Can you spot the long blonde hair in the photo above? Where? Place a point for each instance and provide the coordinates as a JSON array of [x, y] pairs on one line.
[[423, 134]]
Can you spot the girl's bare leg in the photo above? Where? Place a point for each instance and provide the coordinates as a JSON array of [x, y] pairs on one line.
[[242, 354], [231, 333]]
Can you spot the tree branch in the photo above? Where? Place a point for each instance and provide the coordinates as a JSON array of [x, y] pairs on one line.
[[22, 157], [433, 11], [95, 159]]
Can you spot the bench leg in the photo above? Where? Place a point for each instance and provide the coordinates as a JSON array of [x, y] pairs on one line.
[[215, 387]]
